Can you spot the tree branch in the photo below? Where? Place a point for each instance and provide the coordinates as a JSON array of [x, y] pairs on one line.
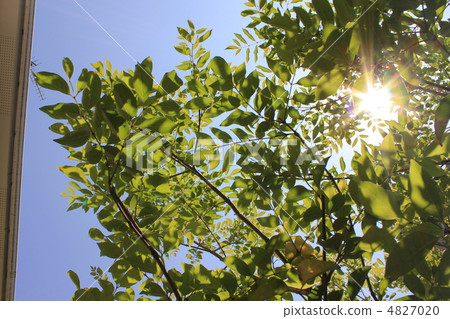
[[229, 203], [137, 230], [325, 277], [416, 87], [369, 284], [209, 229]]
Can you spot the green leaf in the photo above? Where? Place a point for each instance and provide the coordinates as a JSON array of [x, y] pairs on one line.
[[415, 285], [125, 100], [324, 10], [239, 73], [93, 153], [442, 115], [82, 80], [59, 128], [378, 202], [169, 107], [376, 239], [68, 69], [297, 193], [250, 84], [268, 289], [261, 257], [223, 136], [229, 282], [197, 86], [109, 249], [205, 36], [303, 98], [409, 252], [151, 288], [74, 172], [191, 25], [344, 12], [75, 138], [436, 149], [239, 117], [279, 70], [93, 90], [143, 79], [96, 234], [268, 221], [424, 192], [356, 281], [169, 83], [237, 265], [303, 16], [61, 111], [74, 277], [52, 81], [329, 83], [388, 151], [443, 271], [281, 21], [158, 124], [199, 103], [310, 268], [221, 68]]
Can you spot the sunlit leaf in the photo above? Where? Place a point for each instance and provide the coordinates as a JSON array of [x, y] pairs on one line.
[[143, 79], [52, 81], [75, 138], [68, 69], [237, 265], [125, 100]]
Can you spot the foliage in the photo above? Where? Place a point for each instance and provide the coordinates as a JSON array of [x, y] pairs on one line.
[[244, 180]]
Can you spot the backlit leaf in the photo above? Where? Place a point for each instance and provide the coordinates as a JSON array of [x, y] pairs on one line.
[[158, 124], [409, 252], [378, 202], [424, 192], [442, 116], [297, 193], [310, 268], [356, 281], [329, 83]]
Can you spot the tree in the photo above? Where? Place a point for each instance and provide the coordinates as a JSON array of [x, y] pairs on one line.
[[242, 173]]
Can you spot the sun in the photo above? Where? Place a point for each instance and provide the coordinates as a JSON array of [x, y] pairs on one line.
[[377, 102]]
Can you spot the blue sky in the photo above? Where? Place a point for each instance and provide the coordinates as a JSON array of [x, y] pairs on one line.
[[51, 240]]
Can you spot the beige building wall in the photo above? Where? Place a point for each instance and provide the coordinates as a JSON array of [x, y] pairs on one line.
[[16, 28]]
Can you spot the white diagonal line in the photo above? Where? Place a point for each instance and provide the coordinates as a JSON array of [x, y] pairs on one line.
[[356, 21], [104, 30], [119, 45]]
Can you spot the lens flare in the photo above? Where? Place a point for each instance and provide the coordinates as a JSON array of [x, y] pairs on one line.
[[377, 102]]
